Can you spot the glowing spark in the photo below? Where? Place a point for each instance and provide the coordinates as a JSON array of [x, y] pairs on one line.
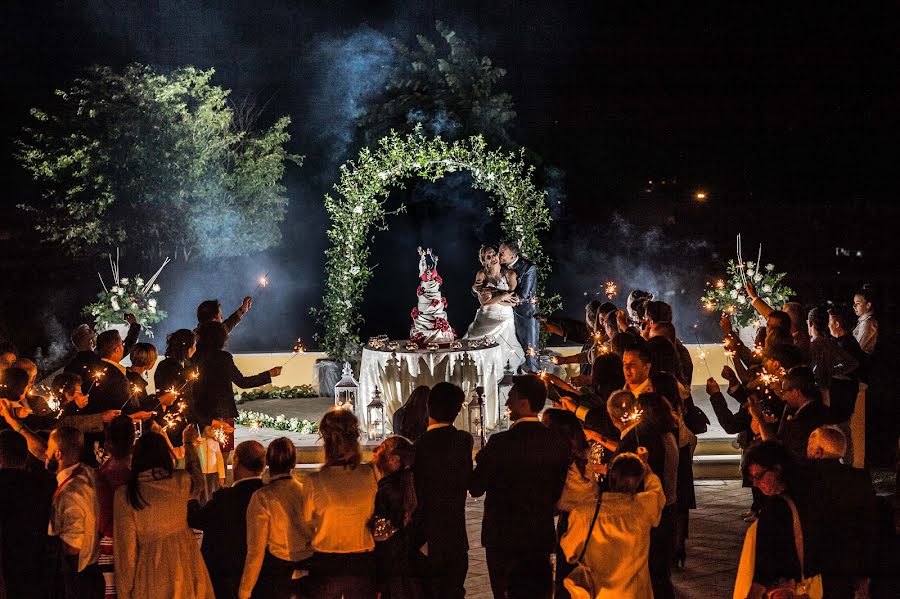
[[263, 282], [720, 284], [610, 289], [542, 374], [531, 352], [254, 426], [632, 417], [219, 435], [700, 196], [710, 306]]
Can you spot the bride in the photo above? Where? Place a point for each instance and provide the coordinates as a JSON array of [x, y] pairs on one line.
[[494, 286]]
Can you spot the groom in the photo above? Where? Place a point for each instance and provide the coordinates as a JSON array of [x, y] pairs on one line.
[[526, 324]]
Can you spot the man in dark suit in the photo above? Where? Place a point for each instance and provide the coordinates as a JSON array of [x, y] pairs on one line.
[[442, 470], [86, 361], [110, 389], [803, 413], [523, 471], [224, 520], [527, 326], [841, 522]]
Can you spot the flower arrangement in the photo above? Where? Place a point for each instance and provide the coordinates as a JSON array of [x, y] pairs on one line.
[[258, 420], [127, 295], [277, 393], [730, 295]]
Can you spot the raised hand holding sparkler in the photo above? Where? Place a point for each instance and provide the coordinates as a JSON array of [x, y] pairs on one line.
[[262, 281], [701, 353]]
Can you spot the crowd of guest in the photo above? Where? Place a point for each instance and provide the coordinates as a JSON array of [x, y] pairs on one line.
[[107, 488]]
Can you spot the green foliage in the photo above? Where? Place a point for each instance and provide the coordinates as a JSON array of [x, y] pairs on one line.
[[279, 393], [730, 296], [154, 162], [358, 210], [452, 92], [257, 420]]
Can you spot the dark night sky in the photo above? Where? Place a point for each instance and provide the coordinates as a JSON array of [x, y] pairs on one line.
[[787, 117]]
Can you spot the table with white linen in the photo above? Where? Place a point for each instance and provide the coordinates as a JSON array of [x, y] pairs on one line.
[[397, 373]]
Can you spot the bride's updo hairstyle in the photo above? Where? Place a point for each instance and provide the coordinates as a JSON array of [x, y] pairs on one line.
[[339, 430], [484, 249]]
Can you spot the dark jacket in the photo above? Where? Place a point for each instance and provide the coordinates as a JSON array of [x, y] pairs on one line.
[[110, 392], [794, 430], [224, 524], [442, 472], [522, 470], [841, 518], [24, 512], [83, 364], [213, 391]]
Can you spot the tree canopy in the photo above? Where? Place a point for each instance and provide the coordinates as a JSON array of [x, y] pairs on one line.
[[159, 163], [451, 92]]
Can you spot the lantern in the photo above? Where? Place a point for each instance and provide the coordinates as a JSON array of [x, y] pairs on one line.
[[375, 417], [503, 388], [346, 390], [475, 412]]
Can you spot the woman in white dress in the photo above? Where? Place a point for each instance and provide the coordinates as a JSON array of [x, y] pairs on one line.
[[495, 286]]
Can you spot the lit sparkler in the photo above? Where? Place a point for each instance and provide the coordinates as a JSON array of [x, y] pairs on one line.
[[254, 426], [701, 353], [298, 349], [710, 306], [632, 419], [720, 284], [532, 352], [96, 377], [543, 374], [610, 289], [262, 281], [219, 435]]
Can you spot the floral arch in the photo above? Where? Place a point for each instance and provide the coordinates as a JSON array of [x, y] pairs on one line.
[[359, 207]]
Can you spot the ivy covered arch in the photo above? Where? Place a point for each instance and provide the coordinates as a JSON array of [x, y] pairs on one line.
[[358, 208]]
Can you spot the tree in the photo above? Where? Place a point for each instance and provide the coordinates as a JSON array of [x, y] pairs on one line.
[[453, 95], [158, 163]]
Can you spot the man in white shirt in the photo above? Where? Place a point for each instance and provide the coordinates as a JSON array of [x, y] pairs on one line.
[[74, 514], [636, 368]]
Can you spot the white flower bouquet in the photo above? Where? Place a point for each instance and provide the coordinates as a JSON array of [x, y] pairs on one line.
[[127, 295], [730, 295]]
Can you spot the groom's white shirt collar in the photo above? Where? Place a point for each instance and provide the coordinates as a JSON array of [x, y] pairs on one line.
[[513, 263]]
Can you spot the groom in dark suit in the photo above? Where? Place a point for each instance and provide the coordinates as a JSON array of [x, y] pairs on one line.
[[526, 325]]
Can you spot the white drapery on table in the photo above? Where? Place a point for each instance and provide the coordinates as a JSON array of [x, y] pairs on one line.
[[397, 373]]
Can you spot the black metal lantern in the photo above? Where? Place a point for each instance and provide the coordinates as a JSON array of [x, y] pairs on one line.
[[475, 413], [375, 417], [503, 389], [346, 390]]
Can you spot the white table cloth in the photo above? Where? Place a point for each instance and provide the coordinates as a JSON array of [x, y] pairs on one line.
[[397, 373]]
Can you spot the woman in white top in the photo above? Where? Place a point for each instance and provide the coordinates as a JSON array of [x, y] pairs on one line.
[[277, 534], [866, 329], [340, 501], [618, 543]]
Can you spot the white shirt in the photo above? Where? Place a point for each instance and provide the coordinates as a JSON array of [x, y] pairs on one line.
[[512, 264], [340, 503], [644, 387], [74, 513], [525, 419], [866, 332], [431, 427], [275, 521]]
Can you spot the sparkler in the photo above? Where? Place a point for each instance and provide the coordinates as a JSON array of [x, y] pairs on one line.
[[96, 377], [543, 374], [632, 419], [173, 418], [254, 426], [262, 281], [610, 289], [532, 352], [298, 349], [701, 353], [219, 435], [720, 284]]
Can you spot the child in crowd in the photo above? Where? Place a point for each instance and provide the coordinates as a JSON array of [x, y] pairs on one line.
[[392, 528], [212, 463]]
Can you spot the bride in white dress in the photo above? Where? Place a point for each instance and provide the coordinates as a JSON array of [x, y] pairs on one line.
[[495, 286]]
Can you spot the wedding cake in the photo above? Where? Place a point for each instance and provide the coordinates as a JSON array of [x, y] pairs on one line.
[[430, 316]]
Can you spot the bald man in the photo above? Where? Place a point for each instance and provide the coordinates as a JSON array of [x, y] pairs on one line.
[[223, 519], [842, 500]]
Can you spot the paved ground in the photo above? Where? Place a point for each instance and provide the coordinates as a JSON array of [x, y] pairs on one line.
[[716, 534]]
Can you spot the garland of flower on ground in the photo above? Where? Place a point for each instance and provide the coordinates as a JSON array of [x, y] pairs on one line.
[[359, 207], [258, 420]]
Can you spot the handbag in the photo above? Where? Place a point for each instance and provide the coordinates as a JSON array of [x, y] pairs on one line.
[[695, 419], [579, 583]]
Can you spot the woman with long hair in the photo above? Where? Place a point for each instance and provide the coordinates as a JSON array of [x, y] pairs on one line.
[[579, 487], [156, 555], [392, 525], [411, 419], [340, 503]]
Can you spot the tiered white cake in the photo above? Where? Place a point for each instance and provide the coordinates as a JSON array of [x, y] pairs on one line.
[[430, 316]]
